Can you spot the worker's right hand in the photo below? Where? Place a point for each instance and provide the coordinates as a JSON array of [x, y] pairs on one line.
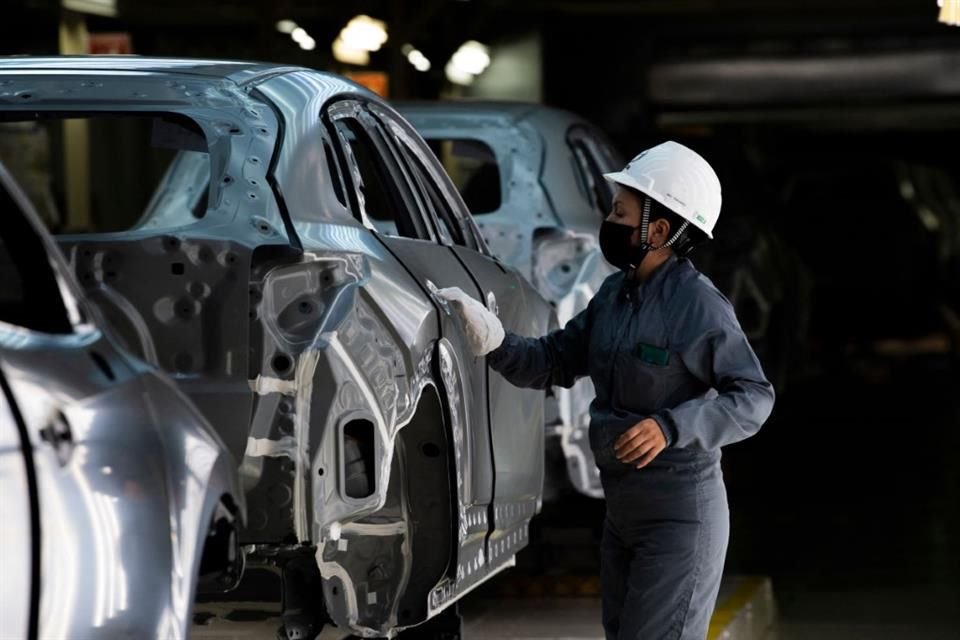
[[483, 328], [641, 443]]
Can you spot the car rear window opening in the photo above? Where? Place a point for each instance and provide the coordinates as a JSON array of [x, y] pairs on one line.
[[472, 165], [96, 173]]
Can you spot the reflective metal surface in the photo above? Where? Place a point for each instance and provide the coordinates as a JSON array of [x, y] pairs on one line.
[[17, 510], [546, 224], [129, 474], [361, 425]]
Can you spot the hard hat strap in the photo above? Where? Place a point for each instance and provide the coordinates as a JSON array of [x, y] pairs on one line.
[[645, 222], [677, 235], [645, 228]]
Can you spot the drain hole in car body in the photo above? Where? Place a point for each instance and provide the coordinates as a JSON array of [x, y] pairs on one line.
[[281, 363]]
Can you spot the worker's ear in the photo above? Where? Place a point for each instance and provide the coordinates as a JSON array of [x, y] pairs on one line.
[[659, 232]]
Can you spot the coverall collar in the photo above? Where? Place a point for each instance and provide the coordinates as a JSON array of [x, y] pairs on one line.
[[636, 290]]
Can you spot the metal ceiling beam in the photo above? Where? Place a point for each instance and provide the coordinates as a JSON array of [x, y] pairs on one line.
[[683, 7], [889, 117], [805, 80]]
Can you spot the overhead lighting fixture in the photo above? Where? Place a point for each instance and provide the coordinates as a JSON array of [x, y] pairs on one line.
[[456, 75], [106, 8], [299, 35], [949, 12], [472, 57], [416, 58], [364, 32], [420, 62], [469, 61], [286, 26], [350, 55]]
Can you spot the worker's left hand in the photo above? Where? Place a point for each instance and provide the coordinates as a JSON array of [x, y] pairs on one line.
[[640, 444]]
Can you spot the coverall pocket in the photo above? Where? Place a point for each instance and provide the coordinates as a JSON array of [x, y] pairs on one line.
[[641, 387]]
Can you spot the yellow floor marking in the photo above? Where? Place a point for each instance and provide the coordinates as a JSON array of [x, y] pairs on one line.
[[727, 610]]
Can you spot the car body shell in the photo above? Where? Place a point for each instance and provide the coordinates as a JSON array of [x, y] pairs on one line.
[[125, 476], [300, 328]]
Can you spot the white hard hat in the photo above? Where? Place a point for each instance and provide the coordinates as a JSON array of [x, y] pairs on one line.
[[678, 178]]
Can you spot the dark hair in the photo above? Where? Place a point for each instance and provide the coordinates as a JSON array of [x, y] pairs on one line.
[[691, 236]]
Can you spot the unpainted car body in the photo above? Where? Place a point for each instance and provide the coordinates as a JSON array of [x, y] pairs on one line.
[[545, 165], [285, 280], [118, 496]]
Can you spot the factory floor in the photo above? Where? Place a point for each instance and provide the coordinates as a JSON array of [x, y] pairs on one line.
[[744, 612]]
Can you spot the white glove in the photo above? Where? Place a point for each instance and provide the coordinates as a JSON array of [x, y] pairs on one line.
[[484, 330]]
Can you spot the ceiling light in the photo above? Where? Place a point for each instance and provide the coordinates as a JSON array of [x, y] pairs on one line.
[[457, 75], [419, 61], [350, 55], [286, 26], [421, 65], [472, 57], [308, 44], [415, 57], [299, 35], [364, 32], [949, 12]]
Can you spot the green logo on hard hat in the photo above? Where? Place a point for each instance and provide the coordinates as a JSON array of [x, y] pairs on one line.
[[701, 219]]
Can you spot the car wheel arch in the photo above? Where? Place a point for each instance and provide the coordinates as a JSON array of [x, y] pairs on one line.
[[416, 502]]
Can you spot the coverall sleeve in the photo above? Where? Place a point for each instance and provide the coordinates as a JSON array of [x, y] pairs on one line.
[[714, 348], [558, 358]]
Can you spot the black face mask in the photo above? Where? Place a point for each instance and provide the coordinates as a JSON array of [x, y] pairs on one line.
[[616, 247]]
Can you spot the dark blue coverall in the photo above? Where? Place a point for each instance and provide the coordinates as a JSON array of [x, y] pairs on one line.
[[670, 348]]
